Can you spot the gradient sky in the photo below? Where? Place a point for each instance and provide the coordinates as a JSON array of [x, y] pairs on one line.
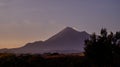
[[23, 21]]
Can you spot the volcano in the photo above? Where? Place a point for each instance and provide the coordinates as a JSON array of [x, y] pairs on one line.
[[68, 40]]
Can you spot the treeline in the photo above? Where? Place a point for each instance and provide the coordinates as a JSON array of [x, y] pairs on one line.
[[27, 60], [104, 49]]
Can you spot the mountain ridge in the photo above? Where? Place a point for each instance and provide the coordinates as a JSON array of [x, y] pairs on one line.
[[68, 40]]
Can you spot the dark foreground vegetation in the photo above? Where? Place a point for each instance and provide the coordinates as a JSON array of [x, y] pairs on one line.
[[52, 60], [100, 51], [59, 60], [104, 49]]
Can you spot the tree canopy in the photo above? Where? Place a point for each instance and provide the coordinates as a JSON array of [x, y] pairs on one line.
[[103, 49]]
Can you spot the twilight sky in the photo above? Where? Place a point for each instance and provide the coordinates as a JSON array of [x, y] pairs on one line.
[[23, 21]]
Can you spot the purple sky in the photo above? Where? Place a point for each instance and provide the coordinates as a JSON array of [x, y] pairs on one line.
[[23, 21]]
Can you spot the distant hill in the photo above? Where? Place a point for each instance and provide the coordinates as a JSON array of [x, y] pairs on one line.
[[66, 41]]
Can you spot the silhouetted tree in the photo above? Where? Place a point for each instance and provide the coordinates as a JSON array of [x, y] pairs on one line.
[[102, 48]]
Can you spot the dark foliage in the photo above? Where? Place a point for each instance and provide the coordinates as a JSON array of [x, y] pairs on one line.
[[26, 60], [104, 49]]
